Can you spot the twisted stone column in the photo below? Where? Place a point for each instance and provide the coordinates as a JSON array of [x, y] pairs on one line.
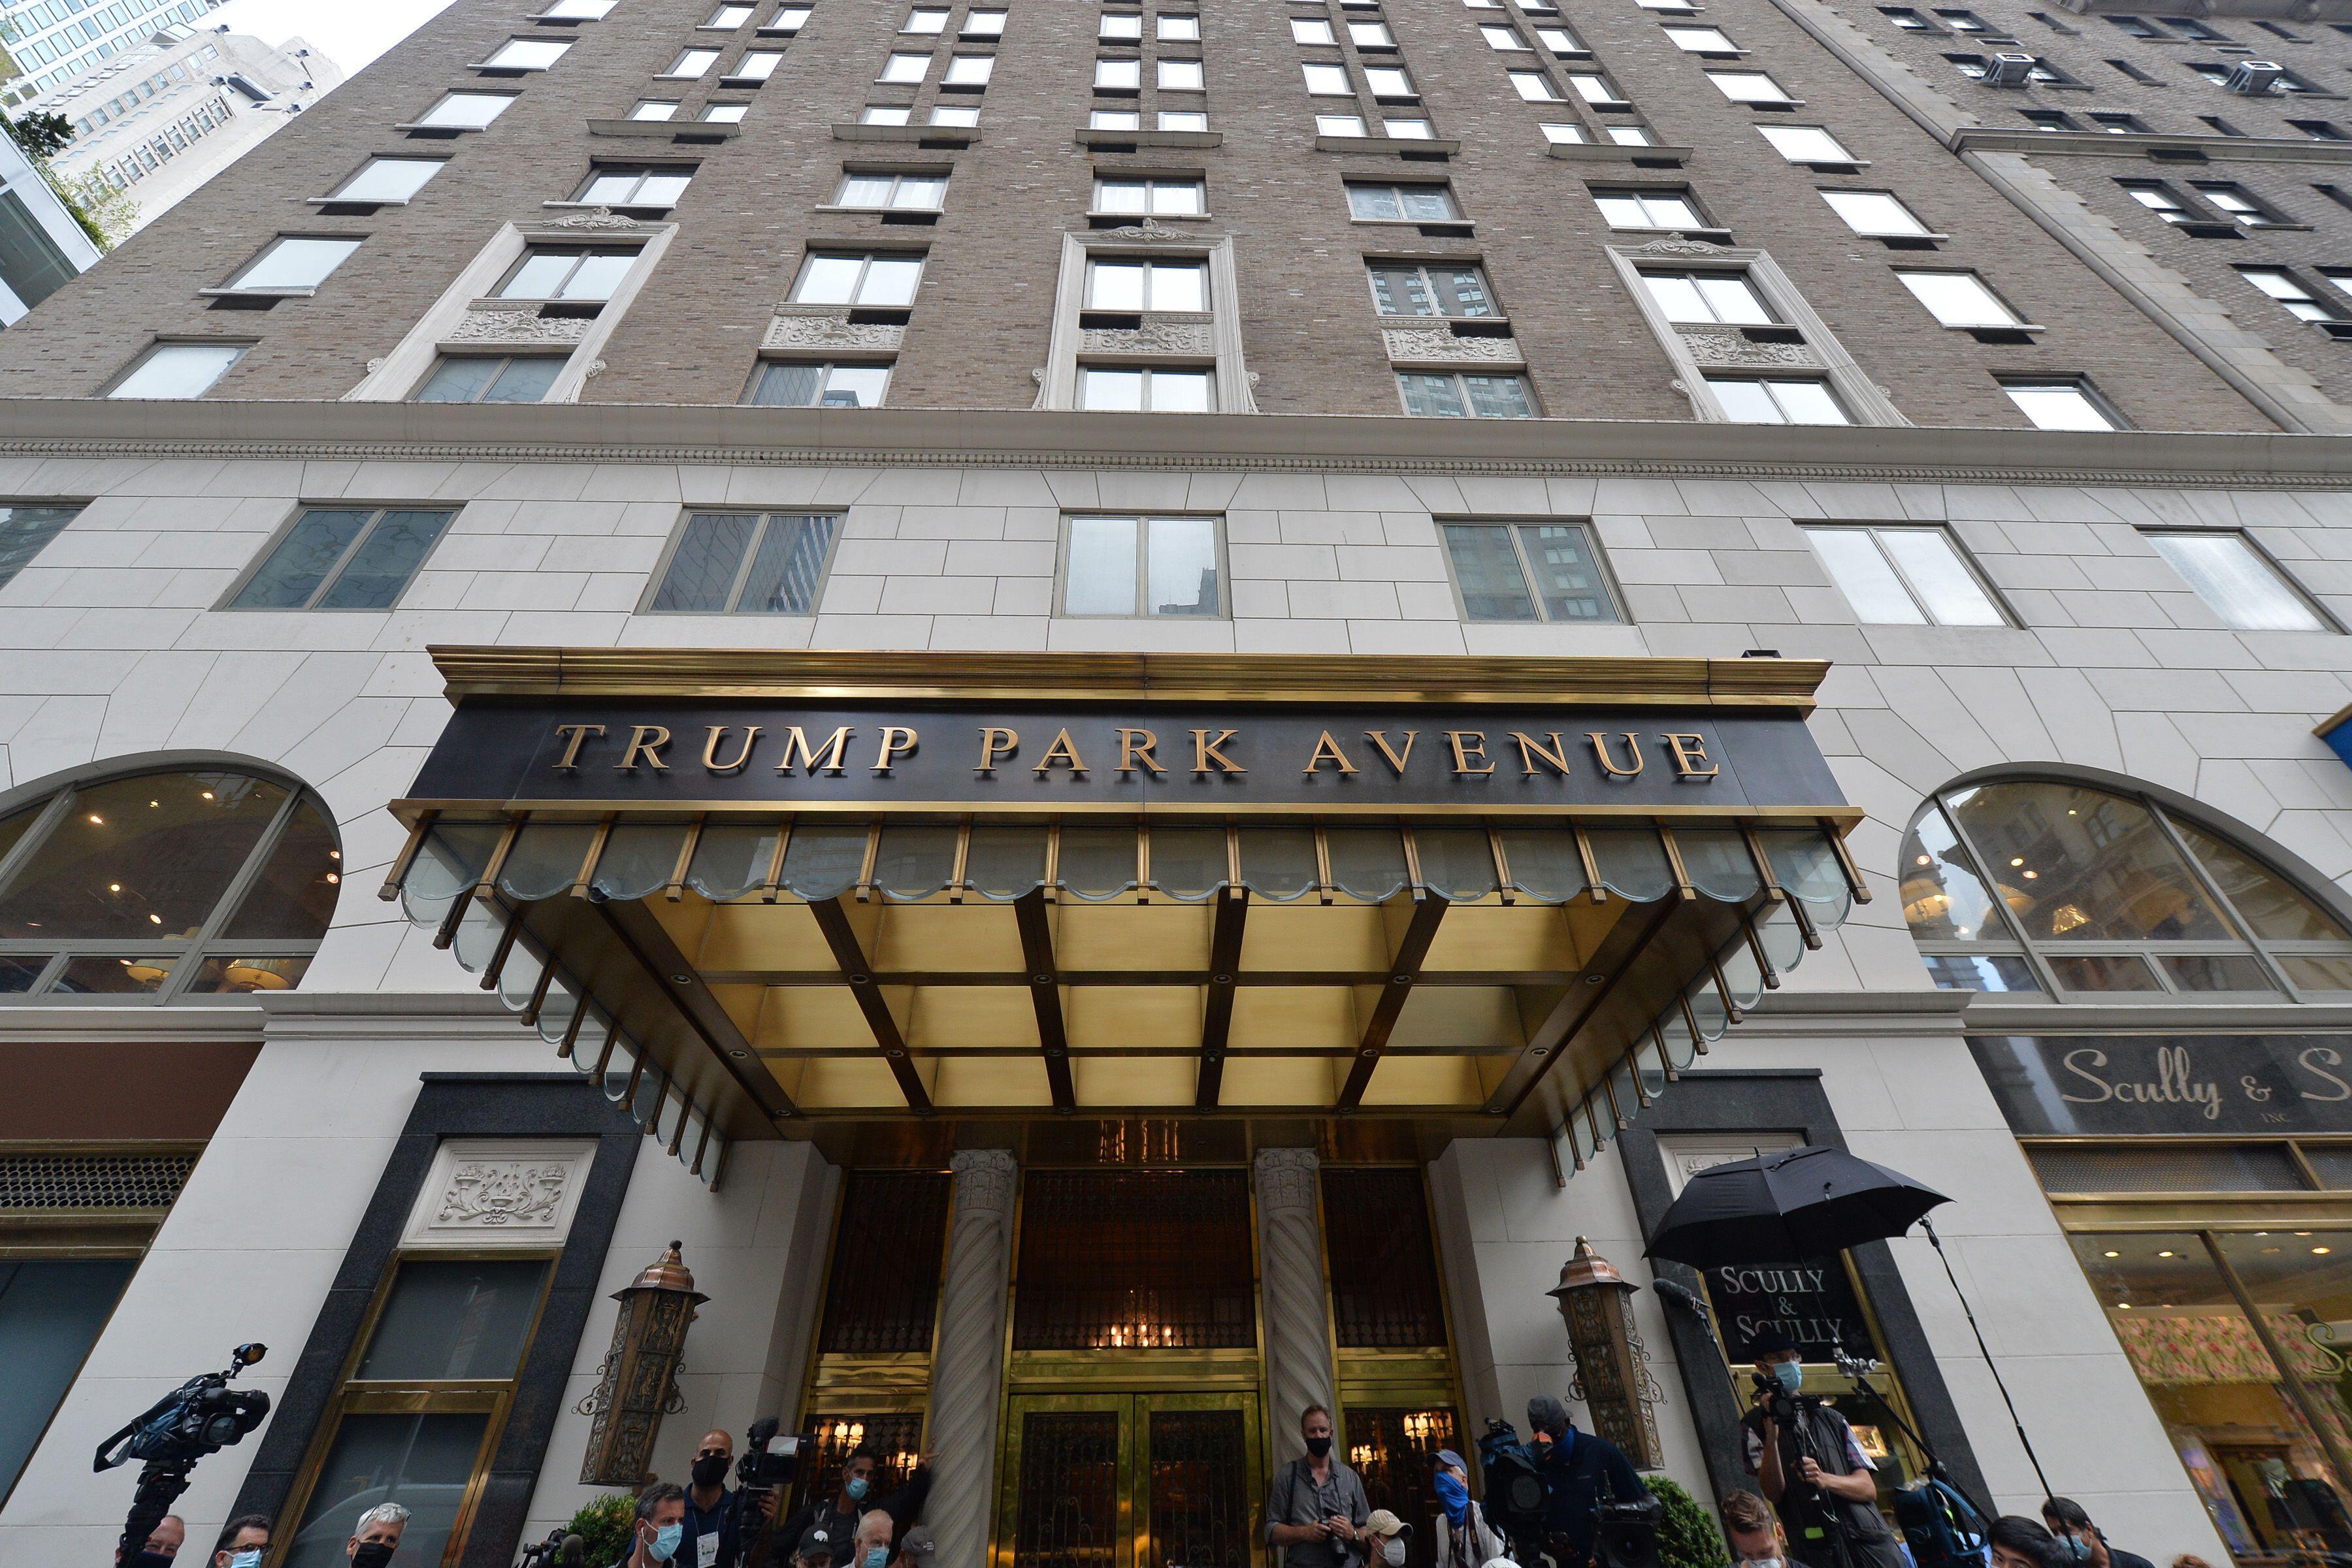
[[966, 1374], [1290, 1267]]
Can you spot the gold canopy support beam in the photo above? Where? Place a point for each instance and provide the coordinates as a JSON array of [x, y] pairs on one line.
[[1404, 967], [840, 935], [1045, 995], [648, 946], [1550, 1039], [1217, 1015]]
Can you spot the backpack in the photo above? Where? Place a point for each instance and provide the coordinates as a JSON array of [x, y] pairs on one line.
[[1940, 1526]]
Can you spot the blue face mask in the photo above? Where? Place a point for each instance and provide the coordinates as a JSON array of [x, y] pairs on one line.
[[1454, 1494], [875, 1556], [2072, 1550], [1792, 1375], [666, 1541], [856, 1489], [249, 1558]]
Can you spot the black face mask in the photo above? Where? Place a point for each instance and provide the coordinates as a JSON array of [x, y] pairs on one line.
[[371, 1554], [709, 1471], [1319, 1446], [146, 1559]]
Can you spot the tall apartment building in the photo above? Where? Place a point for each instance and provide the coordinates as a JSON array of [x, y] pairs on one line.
[[41, 246], [159, 120], [45, 42], [1153, 709]]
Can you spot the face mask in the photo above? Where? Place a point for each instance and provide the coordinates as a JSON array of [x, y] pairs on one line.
[[1792, 1375], [1392, 1552], [856, 1489], [248, 1558], [146, 1559], [1319, 1446], [1452, 1492], [666, 1541], [875, 1556], [2073, 1550], [371, 1554], [709, 1471], [1761, 1562]]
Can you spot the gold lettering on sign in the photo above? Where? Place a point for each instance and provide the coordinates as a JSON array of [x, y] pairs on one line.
[[897, 740], [1556, 755], [570, 762], [1328, 750], [1466, 752], [1064, 751], [826, 758], [1204, 752], [1691, 761], [1396, 759], [1601, 749], [996, 742], [646, 740], [1135, 751], [711, 748]]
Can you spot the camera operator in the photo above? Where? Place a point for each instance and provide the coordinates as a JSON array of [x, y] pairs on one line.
[[163, 1543], [1581, 1471], [376, 1535], [2080, 1541], [1807, 1460], [838, 1515], [719, 1521], [244, 1541], [1317, 1504]]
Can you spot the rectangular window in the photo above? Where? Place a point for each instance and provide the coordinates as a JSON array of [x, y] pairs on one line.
[[489, 378], [2120, 124], [417, 1422], [1805, 145], [388, 179], [468, 110], [1401, 203], [636, 186], [293, 264], [1389, 82], [1506, 39], [725, 113], [655, 109], [1373, 36], [1183, 120], [1648, 209], [1328, 81], [1533, 86], [925, 19], [1694, 298], [1596, 90], [1146, 286], [1529, 572], [730, 17], [1150, 566], [1559, 135], [745, 564], [756, 65], [1176, 30], [340, 558], [1436, 397], [579, 10], [691, 63], [892, 191], [1747, 400], [1905, 576], [1748, 87], [585, 276], [1433, 289], [2242, 204], [1116, 28], [789, 20], [2061, 404], [1339, 125], [2237, 582], [52, 1310], [1312, 31], [905, 68], [960, 115], [1118, 75], [969, 70], [1908, 19], [1158, 198], [527, 54], [2288, 290], [1181, 76], [2160, 199], [1114, 119], [885, 115], [1560, 42], [1958, 298], [178, 369], [985, 24], [1876, 214], [809, 383], [25, 531], [1703, 41], [1158, 389], [883, 278]]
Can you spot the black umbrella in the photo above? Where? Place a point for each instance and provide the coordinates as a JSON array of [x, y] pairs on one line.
[[1783, 1206]]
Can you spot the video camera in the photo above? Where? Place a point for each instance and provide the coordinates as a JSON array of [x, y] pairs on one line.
[[1517, 1497], [561, 1549], [202, 1416], [771, 1459]]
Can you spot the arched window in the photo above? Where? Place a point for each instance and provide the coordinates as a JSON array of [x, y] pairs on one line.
[[164, 884], [2046, 885]]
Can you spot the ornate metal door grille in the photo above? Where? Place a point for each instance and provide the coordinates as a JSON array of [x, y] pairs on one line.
[[1395, 1450], [1383, 1261], [897, 1435], [882, 1297], [1198, 1490], [1068, 1515], [1135, 1260]]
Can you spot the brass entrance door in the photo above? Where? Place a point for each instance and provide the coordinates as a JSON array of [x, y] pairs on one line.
[[1129, 1480]]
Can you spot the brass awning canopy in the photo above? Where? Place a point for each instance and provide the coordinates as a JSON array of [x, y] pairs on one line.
[[821, 954]]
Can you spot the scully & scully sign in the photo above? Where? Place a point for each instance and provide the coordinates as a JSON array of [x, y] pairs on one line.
[[654, 751], [2076, 1084]]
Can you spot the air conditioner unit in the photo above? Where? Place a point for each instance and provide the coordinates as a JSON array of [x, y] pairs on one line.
[[2010, 70], [2254, 77]]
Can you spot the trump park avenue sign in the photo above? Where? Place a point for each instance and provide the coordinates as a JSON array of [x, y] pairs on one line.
[[702, 752]]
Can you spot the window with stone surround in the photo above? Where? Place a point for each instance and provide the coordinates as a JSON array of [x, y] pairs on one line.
[[2237, 581], [2063, 403], [1905, 575], [1150, 567], [743, 563], [1450, 394], [1145, 320], [340, 558], [177, 370], [1539, 570], [819, 384], [25, 531], [489, 378]]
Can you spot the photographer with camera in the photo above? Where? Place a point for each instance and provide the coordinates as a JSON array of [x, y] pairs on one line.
[[1464, 1539], [1317, 1507], [1580, 1472], [718, 1522], [1809, 1463]]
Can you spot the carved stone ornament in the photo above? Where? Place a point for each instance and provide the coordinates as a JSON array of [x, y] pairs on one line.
[[1287, 1178], [1415, 345], [1150, 231], [1676, 247], [1717, 346], [1156, 336], [486, 321], [499, 1192], [601, 219], [832, 330]]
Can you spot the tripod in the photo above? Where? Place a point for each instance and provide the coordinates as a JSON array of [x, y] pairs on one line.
[[1858, 1369]]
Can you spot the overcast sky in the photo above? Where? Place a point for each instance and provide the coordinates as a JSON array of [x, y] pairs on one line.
[[349, 32]]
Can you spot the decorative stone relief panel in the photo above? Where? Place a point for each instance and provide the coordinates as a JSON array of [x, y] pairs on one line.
[[832, 330], [1158, 335], [1435, 345], [499, 1192], [497, 322], [1714, 345]]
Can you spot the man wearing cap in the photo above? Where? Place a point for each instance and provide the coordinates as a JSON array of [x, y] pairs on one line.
[[816, 1548], [1812, 1467], [1581, 1471], [1384, 1536], [1464, 1539]]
